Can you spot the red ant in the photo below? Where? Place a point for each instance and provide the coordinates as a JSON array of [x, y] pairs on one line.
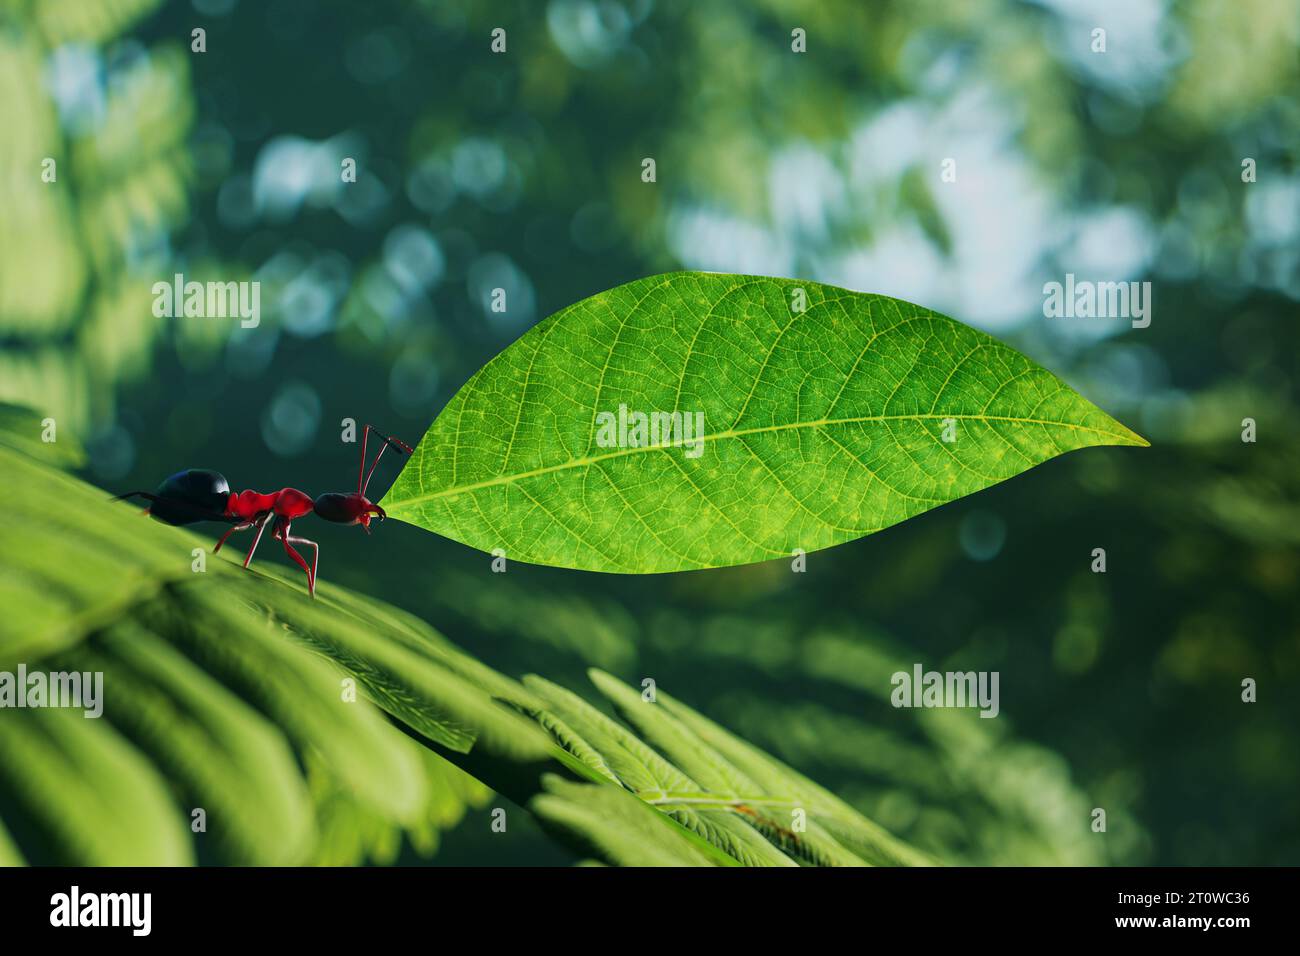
[[198, 494]]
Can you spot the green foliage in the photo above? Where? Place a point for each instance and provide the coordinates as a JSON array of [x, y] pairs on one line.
[[741, 775], [225, 690], [209, 703], [826, 415], [825, 165], [78, 254], [793, 677], [620, 828], [633, 764], [77, 791], [20, 430]]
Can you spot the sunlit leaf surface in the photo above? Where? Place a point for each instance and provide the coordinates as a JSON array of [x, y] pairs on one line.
[[791, 416]]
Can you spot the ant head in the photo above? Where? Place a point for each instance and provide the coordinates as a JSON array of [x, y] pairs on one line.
[[354, 508]]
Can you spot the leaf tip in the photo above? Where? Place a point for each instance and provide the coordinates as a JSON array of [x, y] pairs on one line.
[[1117, 433], [1130, 437]]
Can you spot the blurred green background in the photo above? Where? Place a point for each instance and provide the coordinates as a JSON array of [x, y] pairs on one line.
[[522, 171]]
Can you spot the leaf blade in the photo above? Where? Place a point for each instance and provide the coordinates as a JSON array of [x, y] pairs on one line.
[[819, 426]]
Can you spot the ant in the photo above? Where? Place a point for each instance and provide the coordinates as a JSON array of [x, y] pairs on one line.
[[198, 494]]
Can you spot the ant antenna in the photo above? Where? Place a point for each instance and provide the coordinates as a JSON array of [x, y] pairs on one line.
[[363, 478]]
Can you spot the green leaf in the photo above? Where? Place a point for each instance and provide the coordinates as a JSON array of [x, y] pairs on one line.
[[568, 738], [622, 829], [819, 426], [778, 807], [24, 430], [826, 812], [220, 753], [84, 794], [9, 855], [656, 781], [300, 694]]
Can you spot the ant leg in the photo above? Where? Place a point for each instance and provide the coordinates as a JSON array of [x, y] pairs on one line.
[[283, 531], [261, 526], [315, 557], [239, 527]]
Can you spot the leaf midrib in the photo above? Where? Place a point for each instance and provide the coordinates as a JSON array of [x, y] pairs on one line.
[[586, 461]]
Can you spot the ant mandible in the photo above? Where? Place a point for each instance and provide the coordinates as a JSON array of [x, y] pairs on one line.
[[198, 494]]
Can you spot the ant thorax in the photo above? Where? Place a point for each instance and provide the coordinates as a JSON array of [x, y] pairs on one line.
[[286, 503]]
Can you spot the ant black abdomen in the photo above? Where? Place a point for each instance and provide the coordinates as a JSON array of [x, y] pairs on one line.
[[196, 494]]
